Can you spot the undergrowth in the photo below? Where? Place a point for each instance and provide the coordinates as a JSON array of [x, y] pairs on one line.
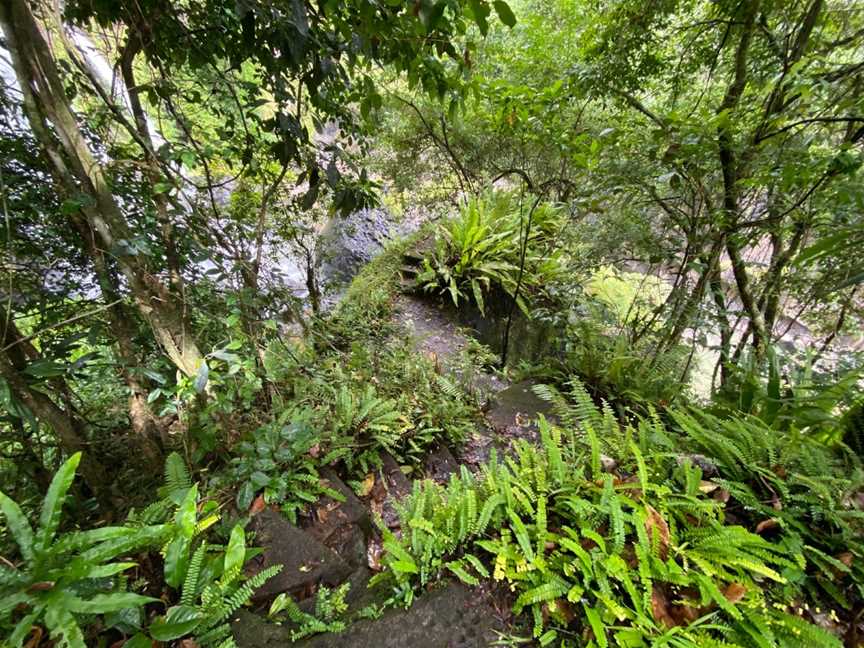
[[653, 552]]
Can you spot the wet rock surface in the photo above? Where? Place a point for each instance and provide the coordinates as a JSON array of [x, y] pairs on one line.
[[390, 488], [440, 464], [352, 241], [452, 616], [512, 415], [439, 338], [515, 411], [342, 526], [305, 561]]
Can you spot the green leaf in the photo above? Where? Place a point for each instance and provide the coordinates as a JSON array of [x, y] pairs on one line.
[[179, 622], [132, 540], [60, 622], [44, 368], [104, 571], [18, 526], [202, 376], [102, 603], [176, 561], [70, 206], [245, 496], [140, 640], [52, 506], [596, 626], [22, 629], [235, 554], [186, 517], [480, 11], [504, 13]]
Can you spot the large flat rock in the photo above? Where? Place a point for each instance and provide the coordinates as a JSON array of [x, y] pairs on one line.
[[453, 616]]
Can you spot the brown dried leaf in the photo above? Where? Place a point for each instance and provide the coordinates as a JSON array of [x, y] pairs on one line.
[[658, 531], [766, 525], [35, 637], [846, 558], [734, 592], [660, 608], [707, 486], [721, 495], [565, 609], [258, 505], [373, 555]]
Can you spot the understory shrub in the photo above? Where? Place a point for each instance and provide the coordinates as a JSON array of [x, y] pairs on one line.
[[480, 250]]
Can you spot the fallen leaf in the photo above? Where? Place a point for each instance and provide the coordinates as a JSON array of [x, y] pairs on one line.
[[188, 643], [846, 558], [35, 637], [660, 608], [767, 525], [564, 608], [721, 495], [707, 486], [258, 505], [367, 485], [655, 523], [734, 592], [373, 555]]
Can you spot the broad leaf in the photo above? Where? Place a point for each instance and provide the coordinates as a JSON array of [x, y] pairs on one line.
[[52, 507], [18, 526], [504, 13], [235, 554], [102, 603], [179, 622]]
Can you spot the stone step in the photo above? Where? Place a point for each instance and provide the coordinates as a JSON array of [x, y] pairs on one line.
[[452, 616], [306, 562], [439, 464], [344, 526]]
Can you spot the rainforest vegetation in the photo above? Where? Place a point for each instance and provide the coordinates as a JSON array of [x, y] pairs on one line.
[[431, 323]]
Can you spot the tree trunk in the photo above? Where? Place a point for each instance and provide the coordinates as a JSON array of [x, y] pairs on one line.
[[65, 424], [145, 426], [77, 171]]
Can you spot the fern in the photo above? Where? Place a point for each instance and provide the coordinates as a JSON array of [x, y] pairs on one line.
[[617, 545]]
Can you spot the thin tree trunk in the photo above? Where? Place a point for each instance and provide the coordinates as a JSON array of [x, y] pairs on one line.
[[154, 175], [76, 171], [65, 424], [145, 426], [715, 285]]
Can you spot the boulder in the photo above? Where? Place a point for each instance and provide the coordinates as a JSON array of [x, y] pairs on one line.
[[439, 464], [342, 526], [305, 561]]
